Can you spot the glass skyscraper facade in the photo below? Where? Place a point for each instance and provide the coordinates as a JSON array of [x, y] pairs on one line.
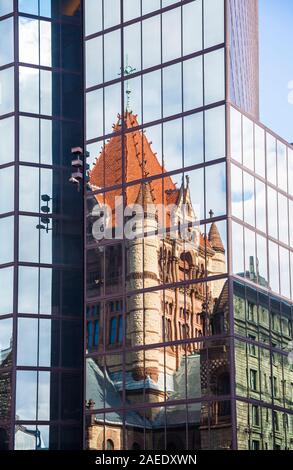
[[150, 306]]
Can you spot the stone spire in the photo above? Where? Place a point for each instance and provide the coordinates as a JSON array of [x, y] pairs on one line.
[[215, 239]]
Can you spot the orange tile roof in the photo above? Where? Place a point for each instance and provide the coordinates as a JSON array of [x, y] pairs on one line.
[[140, 161]]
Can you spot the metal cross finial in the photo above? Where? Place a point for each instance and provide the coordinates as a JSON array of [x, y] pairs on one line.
[[211, 213], [127, 71]]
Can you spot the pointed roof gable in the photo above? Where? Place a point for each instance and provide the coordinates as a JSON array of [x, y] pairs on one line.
[[139, 161], [215, 239]]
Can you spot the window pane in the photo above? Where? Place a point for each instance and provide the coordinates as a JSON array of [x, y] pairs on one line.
[[192, 27], [192, 84], [236, 134], [214, 69], [172, 145], [272, 213], [152, 96], [29, 40], [172, 102], [271, 159], [7, 189], [260, 200], [193, 139], [214, 22], [6, 283], [150, 5], [132, 47], [284, 272], [274, 266], [94, 114], [94, 62], [29, 139], [7, 140], [7, 91], [5, 340], [238, 249], [283, 219], [262, 269], [28, 298], [112, 55], [31, 6], [215, 133], [27, 342], [215, 190], [171, 34], [249, 199], [237, 192], [248, 157], [6, 44], [131, 9], [29, 190], [151, 34], [29, 90], [93, 16], [7, 240], [259, 151], [282, 166], [111, 13], [26, 395], [28, 239], [6, 6]]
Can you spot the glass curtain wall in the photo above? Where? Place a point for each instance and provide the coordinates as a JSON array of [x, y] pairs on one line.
[[40, 225], [157, 311], [262, 242]]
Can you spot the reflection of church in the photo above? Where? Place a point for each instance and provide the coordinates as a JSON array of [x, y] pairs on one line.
[[178, 313]]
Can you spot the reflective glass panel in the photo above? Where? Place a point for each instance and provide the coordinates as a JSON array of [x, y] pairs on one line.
[[172, 94], [7, 240], [26, 395], [214, 73], [7, 189], [193, 139], [93, 16], [7, 140], [271, 159], [6, 283], [215, 184], [215, 133], [5, 341], [28, 298], [260, 163], [6, 91], [192, 27], [214, 22], [6, 6], [192, 83], [6, 45], [27, 342], [171, 34], [94, 61], [151, 34], [236, 134]]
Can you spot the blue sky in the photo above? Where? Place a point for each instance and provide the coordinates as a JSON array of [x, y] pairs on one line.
[[276, 65]]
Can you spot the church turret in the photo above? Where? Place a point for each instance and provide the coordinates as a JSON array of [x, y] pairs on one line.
[[217, 263]]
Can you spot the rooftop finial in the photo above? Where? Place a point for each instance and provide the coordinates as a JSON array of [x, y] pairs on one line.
[[127, 71]]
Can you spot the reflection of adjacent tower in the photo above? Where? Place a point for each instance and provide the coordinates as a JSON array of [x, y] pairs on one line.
[[143, 310]]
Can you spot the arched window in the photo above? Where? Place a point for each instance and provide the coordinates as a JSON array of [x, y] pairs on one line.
[[110, 444]]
